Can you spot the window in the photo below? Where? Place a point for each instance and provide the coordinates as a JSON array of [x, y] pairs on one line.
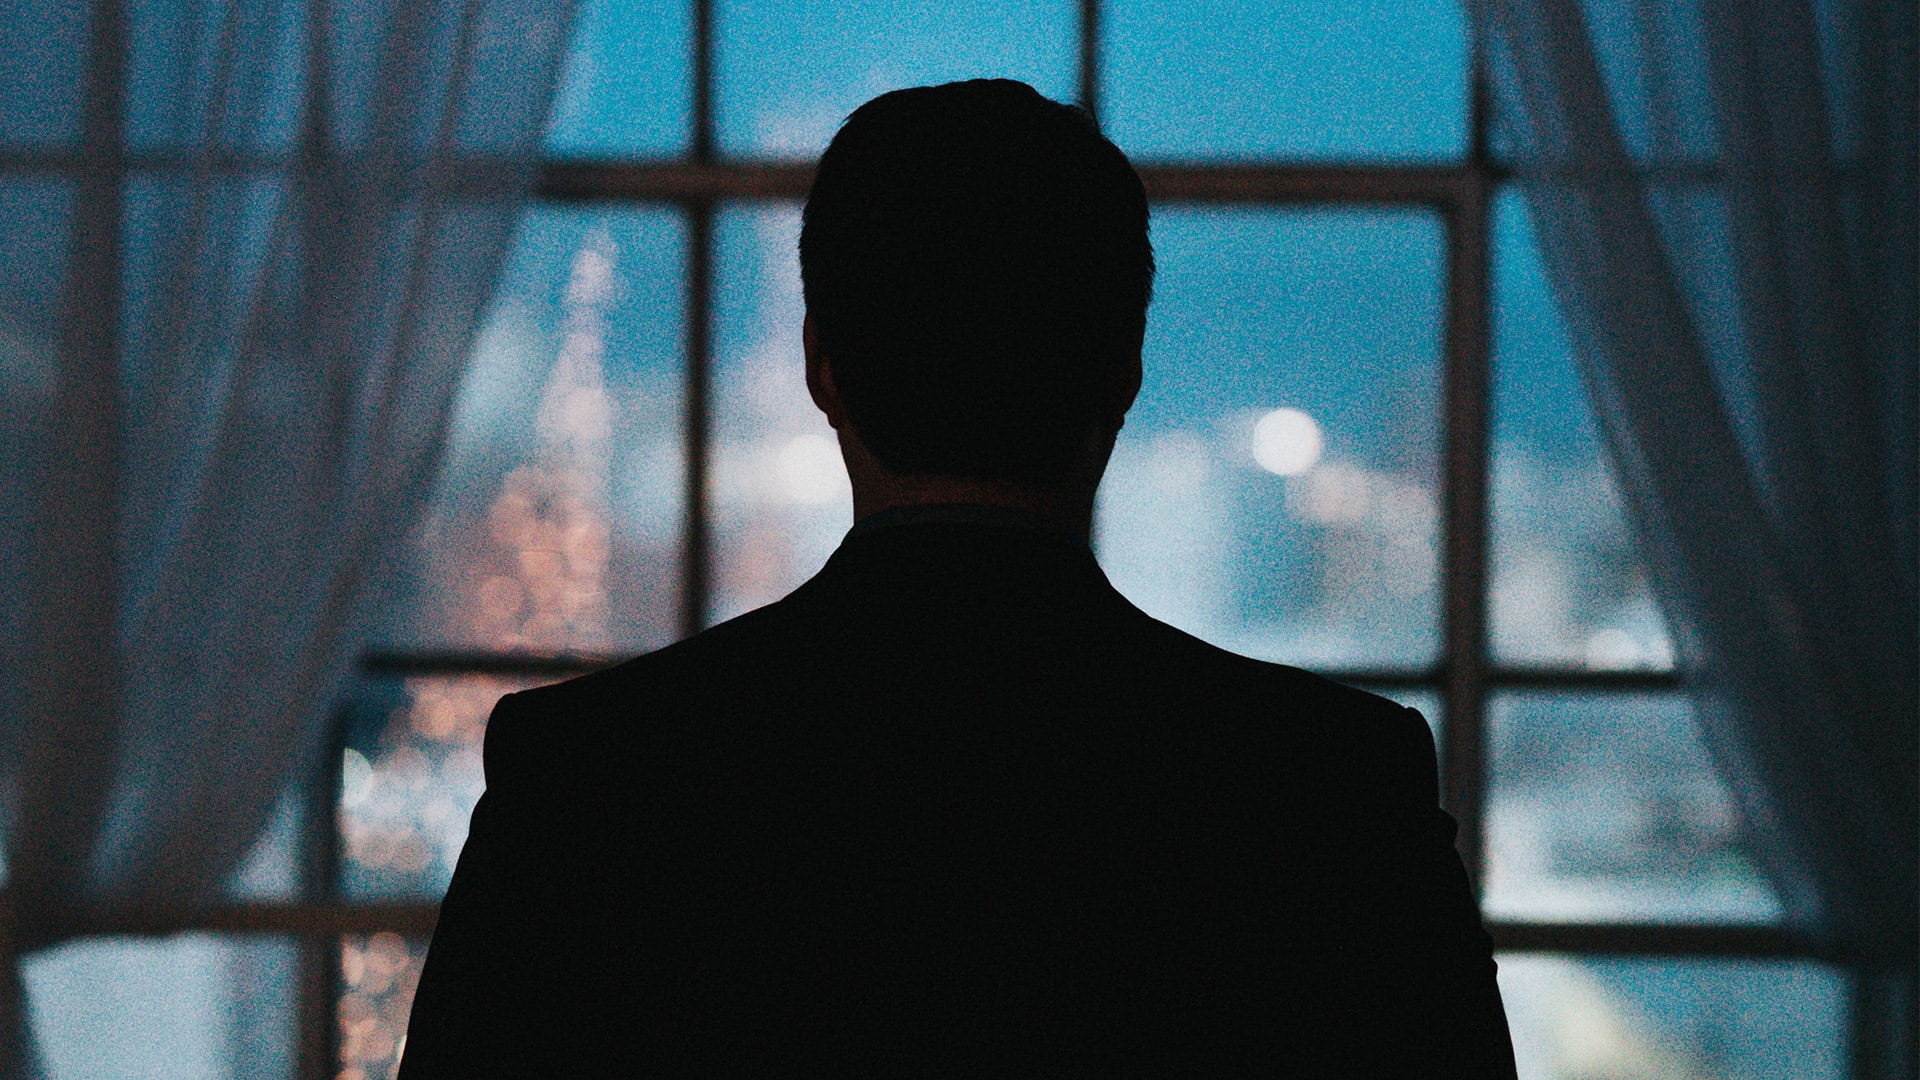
[[1362, 447]]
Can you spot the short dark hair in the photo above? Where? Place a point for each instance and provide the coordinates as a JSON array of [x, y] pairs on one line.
[[977, 266]]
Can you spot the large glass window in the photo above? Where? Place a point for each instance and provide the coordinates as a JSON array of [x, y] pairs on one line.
[[1352, 452], [1303, 479]]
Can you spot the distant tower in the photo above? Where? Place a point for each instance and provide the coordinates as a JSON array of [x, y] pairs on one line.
[[547, 564], [535, 582]]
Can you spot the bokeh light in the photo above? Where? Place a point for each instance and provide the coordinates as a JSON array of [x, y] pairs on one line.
[[1287, 442], [809, 470], [378, 975]]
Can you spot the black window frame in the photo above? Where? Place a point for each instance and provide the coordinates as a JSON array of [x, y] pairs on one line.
[[698, 183], [701, 181]]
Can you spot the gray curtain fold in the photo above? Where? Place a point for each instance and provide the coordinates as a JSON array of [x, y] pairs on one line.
[[1767, 453], [293, 214]]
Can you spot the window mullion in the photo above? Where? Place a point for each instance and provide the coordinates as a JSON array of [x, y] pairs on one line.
[[1465, 456], [1090, 56], [320, 884], [697, 537], [698, 524], [703, 143]]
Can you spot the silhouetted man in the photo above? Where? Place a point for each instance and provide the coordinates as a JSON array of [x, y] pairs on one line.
[[955, 807]]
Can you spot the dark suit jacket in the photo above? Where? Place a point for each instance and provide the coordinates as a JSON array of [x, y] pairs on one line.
[[955, 807]]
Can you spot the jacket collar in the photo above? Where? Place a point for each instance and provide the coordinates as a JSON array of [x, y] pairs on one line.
[[967, 553]]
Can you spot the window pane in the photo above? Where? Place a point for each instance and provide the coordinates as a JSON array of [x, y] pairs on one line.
[[1606, 807], [194, 264], [1660, 96], [1275, 490], [410, 776], [42, 71], [627, 89], [556, 522], [1569, 586], [1377, 79], [192, 65], [33, 261], [271, 869], [193, 1005], [378, 975], [790, 70], [1625, 1019], [781, 500], [196, 250]]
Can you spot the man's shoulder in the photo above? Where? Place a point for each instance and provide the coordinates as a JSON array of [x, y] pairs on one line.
[[1278, 690], [610, 714], [1286, 720], [723, 686], [687, 664], [700, 664]]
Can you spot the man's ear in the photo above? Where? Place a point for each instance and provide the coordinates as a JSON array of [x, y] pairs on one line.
[[820, 376], [1126, 383]]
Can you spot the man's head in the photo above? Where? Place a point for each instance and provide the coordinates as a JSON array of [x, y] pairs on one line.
[[977, 273]]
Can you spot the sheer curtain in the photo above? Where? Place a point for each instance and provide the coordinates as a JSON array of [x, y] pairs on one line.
[[1724, 196], [258, 236]]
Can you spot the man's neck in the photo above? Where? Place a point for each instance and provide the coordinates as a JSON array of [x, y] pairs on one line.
[[1071, 509]]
